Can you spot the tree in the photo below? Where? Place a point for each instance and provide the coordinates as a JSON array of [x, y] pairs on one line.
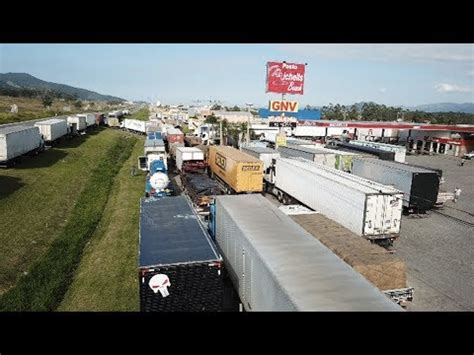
[[47, 100], [216, 107], [78, 104], [211, 119]]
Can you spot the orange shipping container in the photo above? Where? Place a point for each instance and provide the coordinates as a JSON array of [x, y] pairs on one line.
[[241, 171]]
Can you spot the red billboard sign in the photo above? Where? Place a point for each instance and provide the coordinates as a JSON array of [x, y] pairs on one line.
[[285, 78]]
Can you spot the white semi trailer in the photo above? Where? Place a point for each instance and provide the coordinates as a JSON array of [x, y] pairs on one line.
[[52, 129], [16, 141], [367, 208]]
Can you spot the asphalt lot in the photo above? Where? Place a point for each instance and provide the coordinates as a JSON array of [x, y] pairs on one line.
[[438, 250]]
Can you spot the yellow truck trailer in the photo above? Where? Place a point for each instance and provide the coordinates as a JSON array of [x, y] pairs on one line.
[[238, 170]]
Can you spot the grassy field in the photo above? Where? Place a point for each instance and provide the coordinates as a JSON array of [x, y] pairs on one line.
[[142, 114], [106, 279], [31, 108], [44, 286], [38, 197]]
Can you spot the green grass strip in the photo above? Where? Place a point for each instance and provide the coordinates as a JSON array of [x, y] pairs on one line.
[[44, 287]]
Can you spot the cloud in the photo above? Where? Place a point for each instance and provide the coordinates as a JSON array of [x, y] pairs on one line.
[[448, 53], [444, 87], [383, 90]]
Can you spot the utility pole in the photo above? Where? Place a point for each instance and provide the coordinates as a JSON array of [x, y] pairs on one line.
[[248, 122], [221, 136]]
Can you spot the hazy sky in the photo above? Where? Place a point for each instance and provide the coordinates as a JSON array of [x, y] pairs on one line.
[[392, 74]]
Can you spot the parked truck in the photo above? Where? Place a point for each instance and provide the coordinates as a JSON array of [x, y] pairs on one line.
[[420, 186], [132, 125], [154, 149], [89, 118], [174, 135], [52, 129], [275, 265], [77, 124], [16, 141], [376, 152], [400, 151], [266, 155], [326, 157], [178, 271], [365, 207], [190, 159], [237, 171]]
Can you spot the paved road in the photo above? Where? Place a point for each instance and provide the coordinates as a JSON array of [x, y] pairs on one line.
[[439, 251]]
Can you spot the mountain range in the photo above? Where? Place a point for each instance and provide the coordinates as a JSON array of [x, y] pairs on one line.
[[11, 82], [446, 107]]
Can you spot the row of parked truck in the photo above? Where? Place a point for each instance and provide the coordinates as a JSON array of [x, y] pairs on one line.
[[253, 236], [24, 139]]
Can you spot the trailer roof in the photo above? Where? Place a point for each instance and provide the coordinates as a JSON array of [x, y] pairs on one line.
[[261, 150], [311, 275], [378, 145], [17, 128], [50, 121], [300, 148], [170, 233], [399, 166], [235, 154], [352, 181], [189, 149], [366, 149], [154, 143], [332, 151]]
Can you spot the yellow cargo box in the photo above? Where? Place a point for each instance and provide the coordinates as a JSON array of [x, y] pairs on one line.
[[241, 171]]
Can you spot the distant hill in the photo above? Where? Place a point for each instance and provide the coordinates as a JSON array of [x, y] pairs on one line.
[[18, 83], [446, 107]]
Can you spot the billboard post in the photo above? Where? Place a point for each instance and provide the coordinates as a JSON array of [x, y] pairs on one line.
[[284, 78]]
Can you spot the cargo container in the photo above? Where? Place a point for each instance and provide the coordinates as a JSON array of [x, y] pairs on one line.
[[134, 125], [89, 117], [52, 129], [174, 135], [154, 135], [266, 155], [189, 156], [172, 148], [367, 208], [400, 151], [420, 186], [384, 270], [16, 141], [154, 149], [381, 154], [113, 122], [179, 267], [239, 171], [326, 157], [275, 265], [78, 123], [343, 159]]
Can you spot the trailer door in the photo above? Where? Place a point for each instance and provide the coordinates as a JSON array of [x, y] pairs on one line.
[[375, 215]]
